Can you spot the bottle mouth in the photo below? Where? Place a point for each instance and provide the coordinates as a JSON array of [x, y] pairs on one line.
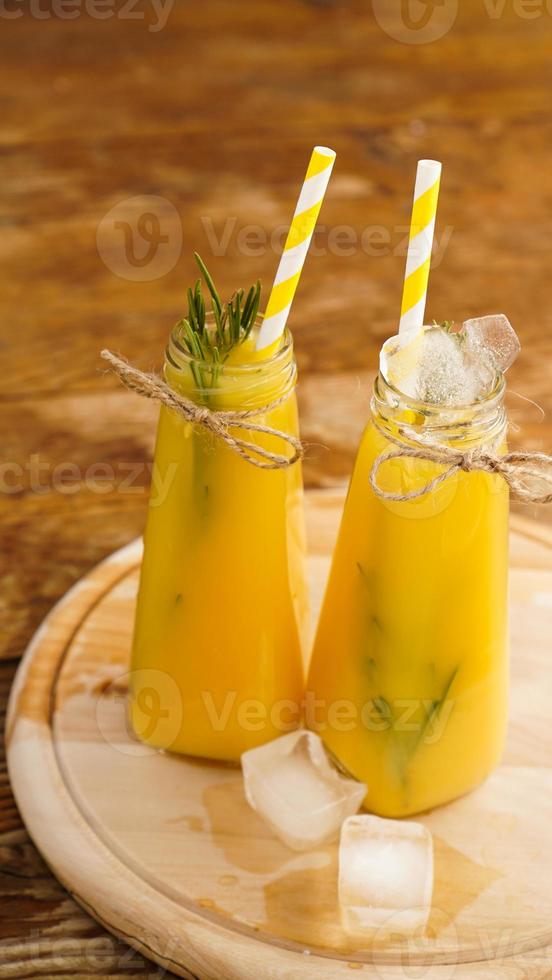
[[479, 421], [180, 357], [440, 376], [225, 383], [394, 397]]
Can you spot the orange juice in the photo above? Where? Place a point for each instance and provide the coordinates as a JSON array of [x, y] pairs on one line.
[[409, 666], [217, 657]]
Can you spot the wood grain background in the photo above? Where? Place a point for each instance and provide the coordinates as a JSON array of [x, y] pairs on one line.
[[215, 114]]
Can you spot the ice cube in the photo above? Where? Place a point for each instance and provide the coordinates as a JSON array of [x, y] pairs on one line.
[[436, 366], [441, 370], [494, 339], [399, 362], [292, 785], [385, 874]]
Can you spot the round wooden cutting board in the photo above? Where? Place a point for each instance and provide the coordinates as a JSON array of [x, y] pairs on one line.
[[164, 851]]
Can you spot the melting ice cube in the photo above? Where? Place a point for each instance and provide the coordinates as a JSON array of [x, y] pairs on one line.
[[446, 375], [435, 367], [492, 338], [385, 874], [291, 783], [448, 365]]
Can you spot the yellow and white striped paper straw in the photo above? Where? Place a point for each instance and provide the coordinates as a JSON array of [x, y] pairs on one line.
[[422, 227], [297, 246]]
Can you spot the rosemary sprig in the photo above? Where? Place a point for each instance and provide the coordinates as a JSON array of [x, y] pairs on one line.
[[405, 743], [233, 322], [453, 328], [447, 325], [434, 711]]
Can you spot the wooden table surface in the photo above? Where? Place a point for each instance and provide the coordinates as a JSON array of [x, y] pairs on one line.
[[205, 123]]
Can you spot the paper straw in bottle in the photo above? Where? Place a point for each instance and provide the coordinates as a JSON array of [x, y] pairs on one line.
[[422, 227], [297, 245]]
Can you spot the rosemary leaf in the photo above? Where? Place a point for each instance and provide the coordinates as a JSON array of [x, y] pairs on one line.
[[210, 284], [246, 306], [237, 314], [200, 306], [192, 314], [252, 313], [233, 322]]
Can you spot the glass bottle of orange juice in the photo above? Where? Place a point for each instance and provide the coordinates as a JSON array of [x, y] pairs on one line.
[[217, 653], [409, 670]]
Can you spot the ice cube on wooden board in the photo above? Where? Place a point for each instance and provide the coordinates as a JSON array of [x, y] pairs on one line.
[[294, 787], [385, 874]]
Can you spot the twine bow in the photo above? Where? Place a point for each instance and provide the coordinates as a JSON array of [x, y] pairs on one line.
[[218, 423], [514, 468]]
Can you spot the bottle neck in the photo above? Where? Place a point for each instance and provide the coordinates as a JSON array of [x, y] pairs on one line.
[[467, 425], [252, 381]]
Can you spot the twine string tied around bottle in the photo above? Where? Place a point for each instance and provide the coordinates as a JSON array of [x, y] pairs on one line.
[[218, 423], [527, 474]]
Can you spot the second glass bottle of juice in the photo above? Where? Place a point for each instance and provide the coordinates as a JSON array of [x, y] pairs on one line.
[[409, 669], [217, 662]]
